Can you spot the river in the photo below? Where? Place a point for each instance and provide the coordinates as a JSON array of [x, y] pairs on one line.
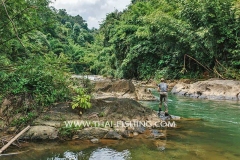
[[209, 130]]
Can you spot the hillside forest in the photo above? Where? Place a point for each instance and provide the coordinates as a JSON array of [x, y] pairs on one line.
[[41, 47]]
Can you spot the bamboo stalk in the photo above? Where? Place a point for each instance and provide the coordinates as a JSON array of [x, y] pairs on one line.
[[221, 64], [12, 140]]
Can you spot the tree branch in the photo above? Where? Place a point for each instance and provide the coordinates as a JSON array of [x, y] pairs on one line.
[[198, 63], [1, 43], [15, 30], [12, 140], [19, 13]]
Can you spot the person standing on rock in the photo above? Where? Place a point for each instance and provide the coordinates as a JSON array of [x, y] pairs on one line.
[[163, 89]]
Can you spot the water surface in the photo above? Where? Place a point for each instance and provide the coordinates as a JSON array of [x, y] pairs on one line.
[[210, 130]]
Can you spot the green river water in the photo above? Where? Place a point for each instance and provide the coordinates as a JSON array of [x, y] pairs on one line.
[[211, 130]]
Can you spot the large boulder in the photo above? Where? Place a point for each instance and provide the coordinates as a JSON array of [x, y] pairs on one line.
[[118, 109], [123, 89], [115, 86], [91, 133], [40, 133], [210, 89], [112, 135]]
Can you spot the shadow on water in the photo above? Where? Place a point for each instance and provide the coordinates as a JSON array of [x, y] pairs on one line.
[[209, 130]]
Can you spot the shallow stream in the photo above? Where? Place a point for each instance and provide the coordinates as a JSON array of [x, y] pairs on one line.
[[209, 130]]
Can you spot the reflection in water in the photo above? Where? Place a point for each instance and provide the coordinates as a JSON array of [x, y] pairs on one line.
[[98, 154], [109, 154], [210, 132], [161, 143]]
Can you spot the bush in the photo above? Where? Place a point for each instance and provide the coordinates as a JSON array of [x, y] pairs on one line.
[[81, 100], [45, 78]]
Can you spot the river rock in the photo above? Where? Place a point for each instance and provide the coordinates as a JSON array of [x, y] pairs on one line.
[[119, 109], [139, 129], [135, 133], [210, 89], [113, 135], [122, 89], [175, 117], [94, 140], [156, 134], [126, 134], [144, 94], [91, 133], [41, 132]]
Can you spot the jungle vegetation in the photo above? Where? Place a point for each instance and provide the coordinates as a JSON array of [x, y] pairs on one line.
[[41, 47]]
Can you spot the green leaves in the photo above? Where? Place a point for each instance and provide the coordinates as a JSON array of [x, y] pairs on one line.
[[156, 34], [81, 100]]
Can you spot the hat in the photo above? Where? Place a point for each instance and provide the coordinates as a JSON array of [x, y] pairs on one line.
[[162, 79]]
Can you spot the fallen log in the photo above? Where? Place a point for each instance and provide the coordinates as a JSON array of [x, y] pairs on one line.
[[12, 140]]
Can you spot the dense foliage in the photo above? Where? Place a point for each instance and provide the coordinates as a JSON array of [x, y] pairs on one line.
[[40, 47], [172, 39]]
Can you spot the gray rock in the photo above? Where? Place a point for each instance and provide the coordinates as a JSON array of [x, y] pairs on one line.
[[175, 117], [56, 124], [140, 129], [127, 134], [135, 133], [156, 134], [91, 133], [210, 89], [113, 135], [94, 140], [41, 133]]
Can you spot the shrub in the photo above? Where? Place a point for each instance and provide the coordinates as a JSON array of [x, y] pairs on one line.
[[81, 100]]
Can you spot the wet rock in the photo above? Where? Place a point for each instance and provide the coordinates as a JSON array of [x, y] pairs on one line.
[[91, 133], [156, 134], [140, 129], [41, 133], [127, 134], [113, 135], [94, 140], [175, 117]]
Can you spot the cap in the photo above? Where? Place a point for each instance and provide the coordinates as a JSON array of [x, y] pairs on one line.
[[162, 79]]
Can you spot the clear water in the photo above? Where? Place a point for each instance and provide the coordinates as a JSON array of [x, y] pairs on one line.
[[209, 130]]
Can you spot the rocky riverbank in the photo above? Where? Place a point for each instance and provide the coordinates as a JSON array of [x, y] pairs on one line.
[[114, 107], [210, 89], [107, 119], [124, 89], [115, 114]]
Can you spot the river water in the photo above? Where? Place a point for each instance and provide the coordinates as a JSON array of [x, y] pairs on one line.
[[209, 130]]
